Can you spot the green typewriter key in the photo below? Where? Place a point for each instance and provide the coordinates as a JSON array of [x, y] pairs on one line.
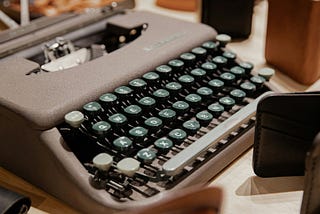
[[205, 93], [108, 100], [220, 61], [132, 111], [122, 143], [216, 85], [176, 65], [230, 56], [227, 102], [128, 166], [163, 145], [216, 109], [258, 81], [188, 58], [223, 39], [101, 128], [92, 108], [199, 52], [247, 66], [118, 120], [138, 85], [180, 107], [173, 87], [211, 46], [238, 95], [147, 103], [209, 67], [146, 155], [167, 115], [186, 80], [198, 73], [248, 87], [102, 161], [151, 78], [193, 99], [237, 71], [164, 71], [123, 92], [161, 95], [177, 136], [266, 73], [204, 117], [153, 124], [138, 133], [227, 78], [191, 126], [74, 119]]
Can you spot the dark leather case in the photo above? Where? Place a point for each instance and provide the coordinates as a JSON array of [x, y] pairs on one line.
[[12, 202], [285, 128], [311, 196]]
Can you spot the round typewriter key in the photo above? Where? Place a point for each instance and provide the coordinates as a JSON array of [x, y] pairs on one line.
[[101, 128], [147, 102], [198, 73], [122, 143], [247, 66], [92, 108], [167, 115], [248, 87], [216, 85], [180, 107], [102, 161], [177, 136], [210, 46], [216, 109], [138, 133], [193, 99], [164, 71], [163, 145], [205, 93], [186, 80], [151, 77], [204, 117], [118, 120], [133, 111], [231, 56], [199, 52], [74, 118], [153, 124], [146, 155], [138, 84], [128, 166], [123, 92], [227, 102], [238, 95], [176, 64], [188, 58], [266, 73], [220, 61], [237, 71], [258, 80], [108, 99], [209, 67], [173, 87], [228, 78], [161, 95], [191, 126], [223, 39]]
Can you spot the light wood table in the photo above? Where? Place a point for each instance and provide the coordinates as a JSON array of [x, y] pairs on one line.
[[243, 191]]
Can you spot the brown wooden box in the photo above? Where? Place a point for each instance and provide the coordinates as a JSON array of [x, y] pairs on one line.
[[293, 38]]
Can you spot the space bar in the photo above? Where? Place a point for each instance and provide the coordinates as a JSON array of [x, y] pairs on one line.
[[185, 157]]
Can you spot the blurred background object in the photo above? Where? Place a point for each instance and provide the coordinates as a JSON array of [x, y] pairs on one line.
[[185, 5]]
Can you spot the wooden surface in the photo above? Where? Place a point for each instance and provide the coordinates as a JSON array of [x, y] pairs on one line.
[[243, 191]]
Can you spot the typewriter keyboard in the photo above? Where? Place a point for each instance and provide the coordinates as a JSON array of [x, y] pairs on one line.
[[152, 133]]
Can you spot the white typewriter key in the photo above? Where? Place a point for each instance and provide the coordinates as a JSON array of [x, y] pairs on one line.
[[128, 166], [223, 38], [103, 161], [267, 73], [74, 118]]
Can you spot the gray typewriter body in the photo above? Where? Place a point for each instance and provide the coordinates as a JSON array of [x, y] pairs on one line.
[[33, 104]]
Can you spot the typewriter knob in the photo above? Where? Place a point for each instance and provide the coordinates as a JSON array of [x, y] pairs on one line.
[[74, 118], [267, 73], [128, 166], [103, 161]]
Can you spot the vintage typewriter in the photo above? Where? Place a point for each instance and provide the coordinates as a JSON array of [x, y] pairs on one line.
[[112, 110]]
